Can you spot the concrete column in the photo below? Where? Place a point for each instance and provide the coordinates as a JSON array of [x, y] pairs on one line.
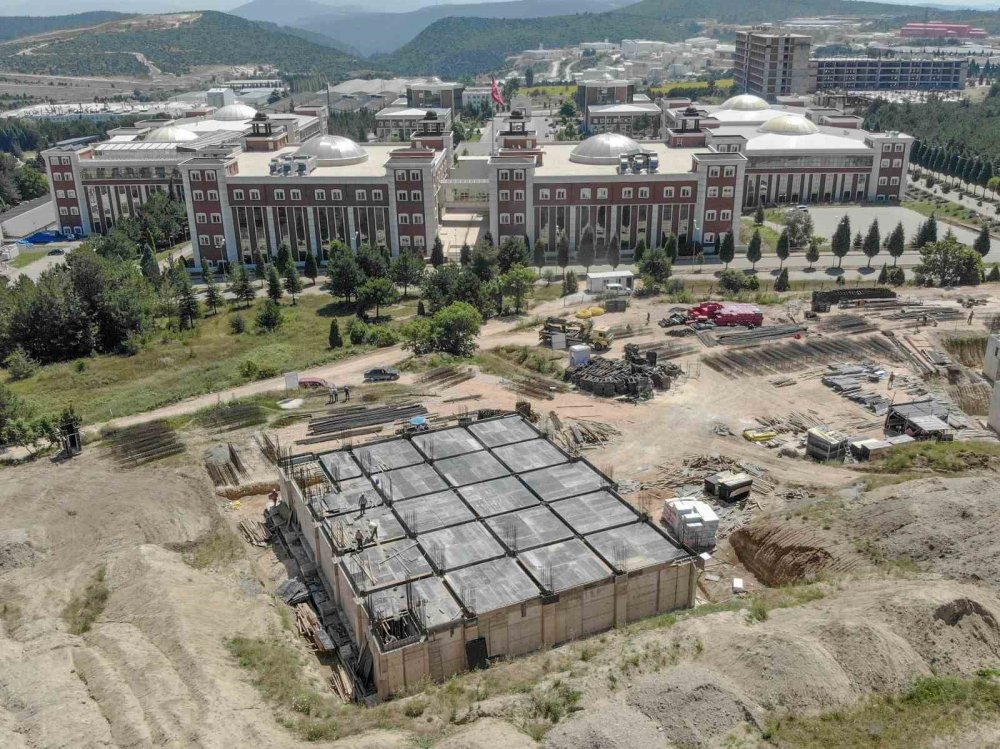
[[621, 601], [549, 624], [272, 234]]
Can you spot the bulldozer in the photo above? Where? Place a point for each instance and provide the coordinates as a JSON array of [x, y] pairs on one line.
[[576, 332]]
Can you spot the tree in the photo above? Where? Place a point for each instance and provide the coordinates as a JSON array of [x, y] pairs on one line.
[[188, 307], [213, 297], [585, 250], [781, 282], [640, 251], [840, 242], [753, 249], [538, 260], [343, 273], [464, 255], [671, 247], [437, 253], [487, 237], [800, 229], [513, 251], [656, 265], [293, 284], [758, 216], [259, 267], [517, 283], [615, 254], [812, 254], [377, 293], [335, 339], [782, 248], [529, 77], [283, 259], [982, 243], [311, 269], [927, 233], [727, 250], [562, 250], [406, 269], [484, 261], [896, 243], [418, 335], [569, 284], [269, 316], [994, 274], [948, 263], [150, 265], [274, 289], [872, 242], [456, 327], [373, 261], [567, 110], [859, 243], [239, 284]]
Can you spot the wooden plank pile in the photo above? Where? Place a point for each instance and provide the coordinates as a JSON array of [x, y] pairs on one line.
[[581, 434], [309, 626], [255, 532]]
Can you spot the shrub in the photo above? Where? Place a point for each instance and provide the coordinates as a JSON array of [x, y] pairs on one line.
[[381, 336], [132, 344], [781, 282], [895, 276], [570, 285], [357, 331], [251, 370], [269, 316], [994, 275], [335, 340], [20, 365], [237, 324], [732, 281]]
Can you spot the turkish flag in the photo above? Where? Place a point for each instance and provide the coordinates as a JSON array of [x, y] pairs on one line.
[[495, 93]]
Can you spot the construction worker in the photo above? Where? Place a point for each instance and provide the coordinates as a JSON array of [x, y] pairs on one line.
[[372, 530], [347, 393], [892, 379], [647, 318], [359, 539], [273, 497], [362, 504], [334, 396], [971, 313]]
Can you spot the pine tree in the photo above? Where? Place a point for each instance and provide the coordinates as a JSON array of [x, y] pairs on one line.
[[896, 244], [781, 282], [783, 247], [562, 250], [274, 290], [982, 243], [464, 255], [335, 339], [311, 269], [586, 252], [758, 216], [812, 253], [213, 297], [538, 255], [670, 247], [727, 250], [259, 267], [437, 253], [840, 242], [994, 275], [873, 242], [149, 264], [640, 250], [883, 274], [283, 259], [615, 254], [188, 308], [239, 284], [753, 249], [293, 284]]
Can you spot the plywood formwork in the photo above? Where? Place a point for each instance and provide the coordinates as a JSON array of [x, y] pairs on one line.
[[485, 536]]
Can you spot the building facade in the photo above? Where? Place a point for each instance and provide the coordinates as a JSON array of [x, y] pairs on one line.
[[888, 74], [771, 64]]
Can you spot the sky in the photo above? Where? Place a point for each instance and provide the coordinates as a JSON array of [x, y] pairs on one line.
[[58, 7]]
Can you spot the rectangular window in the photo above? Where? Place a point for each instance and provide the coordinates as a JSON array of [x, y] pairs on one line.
[[74, 211], [602, 193], [416, 196], [360, 195], [319, 195], [376, 195], [900, 147], [336, 195], [57, 176], [727, 192], [402, 196], [729, 171], [418, 218], [685, 192], [237, 195], [713, 171], [519, 175], [404, 241], [668, 192], [560, 195], [197, 195], [60, 194], [713, 192], [505, 195], [199, 218], [894, 181], [213, 195], [203, 240], [219, 240], [279, 194], [504, 218], [503, 175], [584, 193], [643, 192], [885, 162], [708, 238], [210, 176], [626, 193], [518, 218], [883, 181], [400, 175], [216, 218], [519, 195], [414, 176], [887, 146], [543, 194], [63, 211], [726, 215], [418, 241], [404, 218], [296, 195], [196, 176], [255, 195], [897, 163], [709, 215]]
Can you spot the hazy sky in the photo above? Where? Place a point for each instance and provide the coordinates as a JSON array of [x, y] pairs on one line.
[[57, 7]]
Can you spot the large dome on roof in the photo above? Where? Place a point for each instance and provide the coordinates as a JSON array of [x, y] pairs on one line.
[[745, 103], [789, 124], [171, 134], [333, 150], [234, 112], [604, 148]]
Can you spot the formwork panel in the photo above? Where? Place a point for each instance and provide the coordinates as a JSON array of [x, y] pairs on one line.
[[492, 585], [390, 455], [340, 465], [599, 608], [643, 591], [565, 565], [634, 547], [498, 496], [386, 565], [526, 529], [497, 432], [433, 511], [597, 511], [529, 455], [471, 468], [343, 529], [459, 545], [347, 497], [446, 443], [565, 480], [412, 482], [428, 596]]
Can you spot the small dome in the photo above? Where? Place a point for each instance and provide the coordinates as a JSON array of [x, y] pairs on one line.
[[171, 134], [605, 148], [789, 124], [333, 150], [745, 103], [234, 113]]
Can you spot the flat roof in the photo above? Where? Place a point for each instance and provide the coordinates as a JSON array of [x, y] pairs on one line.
[[347, 524], [471, 468], [529, 528], [498, 496], [258, 163], [433, 511], [460, 545], [410, 113], [393, 454], [437, 605], [413, 481], [633, 108], [526, 456], [566, 480], [632, 547], [565, 565], [446, 443], [496, 432], [386, 564], [340, 465], [347, 498], [492, 585], [556, 161], [588, 513]]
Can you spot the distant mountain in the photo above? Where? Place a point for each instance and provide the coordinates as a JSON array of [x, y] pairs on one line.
[[14, 27], [312, 36], [373, 33], [176, 44], [286, 12], [454, 47]]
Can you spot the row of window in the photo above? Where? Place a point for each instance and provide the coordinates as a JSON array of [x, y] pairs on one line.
[[196, 176], [722, 216], [505, 218], [894, 181], [360, 196], [56, 160], [65, 193], [713, 192], [72, 211], [401, 175], [504, 175], [602, 193], [728, 171], [201, 218], [899, 147], [404, 241], [205, 241], [404, 218], [198, 195], [896, 163], [505, 195]]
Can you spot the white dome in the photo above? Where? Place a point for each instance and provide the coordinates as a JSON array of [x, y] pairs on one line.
[[171, 134], [745, 103], [333, 150], [234, 113], [789, 124], [605, 148]]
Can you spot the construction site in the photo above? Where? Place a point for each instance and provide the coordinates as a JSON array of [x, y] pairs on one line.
[[674, 524]]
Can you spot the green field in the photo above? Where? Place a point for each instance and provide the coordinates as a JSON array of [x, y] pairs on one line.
[[25, 258]]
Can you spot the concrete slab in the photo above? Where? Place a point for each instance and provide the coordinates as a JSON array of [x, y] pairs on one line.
[[565, 565], [460, 545], [632, 547], [344, 527], [346, 500], [496, 432], [566, 480], [498, 496], [392, 454], [588, 513], [446, 443], [492, 585], [386, 564], [471, 468], [526, 529], [433, 511], [529, 455], [412, 482], [428, 596], [340, 465]]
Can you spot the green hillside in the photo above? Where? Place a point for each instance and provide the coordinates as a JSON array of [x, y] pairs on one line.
[[212, 39], [14, 27], [462, 46]]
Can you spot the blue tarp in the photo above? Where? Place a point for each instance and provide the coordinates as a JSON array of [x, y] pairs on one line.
[[43, 237]]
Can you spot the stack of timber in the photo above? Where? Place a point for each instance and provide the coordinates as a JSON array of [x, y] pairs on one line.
[[309, 626], [255, 532], [355, 417], [581, 434]]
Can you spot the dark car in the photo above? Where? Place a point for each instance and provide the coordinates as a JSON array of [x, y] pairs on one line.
[[381, 374], [57, 251]]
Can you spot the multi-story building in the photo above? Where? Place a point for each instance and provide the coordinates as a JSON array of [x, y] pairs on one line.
[[399, 123], [888, 74], [253, 184], [771, 64], [479, 98], [436, 96], [939, 30], [614, 107]]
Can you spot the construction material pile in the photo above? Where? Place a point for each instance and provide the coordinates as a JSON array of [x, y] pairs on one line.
[[757, 335], [850, 380], [822, 301], [143, 443], [826, 445], [794, 356], [581, 434], [715, 314], [635, 375], [446, 377], [560, 333], [352, 417], [691, 521]]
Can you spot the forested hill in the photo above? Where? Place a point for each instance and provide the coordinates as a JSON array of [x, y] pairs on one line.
[[176, 43], [14, 27], [460, 46]]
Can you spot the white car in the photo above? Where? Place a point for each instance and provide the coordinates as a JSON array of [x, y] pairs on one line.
[[802, 208]]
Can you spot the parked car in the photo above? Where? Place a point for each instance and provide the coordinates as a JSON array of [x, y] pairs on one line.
[[381, 374], [56, 251], [802, 208], [312, 383]]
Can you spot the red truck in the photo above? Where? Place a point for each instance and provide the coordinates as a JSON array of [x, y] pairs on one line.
[[727, 314]]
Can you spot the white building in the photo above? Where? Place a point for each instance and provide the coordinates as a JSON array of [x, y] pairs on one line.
[[991, 362]]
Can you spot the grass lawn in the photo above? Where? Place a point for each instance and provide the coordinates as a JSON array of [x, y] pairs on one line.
[[25, 258], [174, 366], [946, 210], [768, 236], [694, 86], [549, 90]]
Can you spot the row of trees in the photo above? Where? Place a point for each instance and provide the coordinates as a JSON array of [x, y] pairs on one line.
[[19, 182], [960, 165]]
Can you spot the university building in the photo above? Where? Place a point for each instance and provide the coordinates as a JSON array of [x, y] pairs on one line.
[[252, 182]]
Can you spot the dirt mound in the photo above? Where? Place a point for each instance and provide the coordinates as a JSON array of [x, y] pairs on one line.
[[693, 705], [948, 526], [611, 726], [21, 547], [781, 553], [488, 732]]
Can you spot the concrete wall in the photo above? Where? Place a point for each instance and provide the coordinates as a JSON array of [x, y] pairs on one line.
[[30, 221], [991, 360], [995, 409]]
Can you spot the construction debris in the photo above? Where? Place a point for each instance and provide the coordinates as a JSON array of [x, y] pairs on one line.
[[581, 434], [255, 532]]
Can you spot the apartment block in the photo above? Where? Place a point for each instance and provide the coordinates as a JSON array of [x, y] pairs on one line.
[[771, 64]]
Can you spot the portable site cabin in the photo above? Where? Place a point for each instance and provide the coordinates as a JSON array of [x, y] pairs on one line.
[[599, 283]]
